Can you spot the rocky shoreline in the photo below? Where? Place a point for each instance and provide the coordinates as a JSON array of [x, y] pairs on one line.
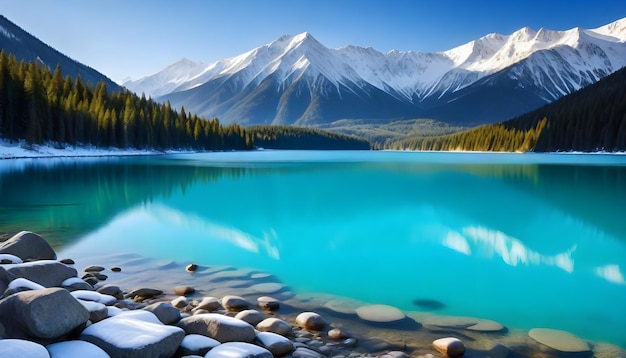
[[125, 305]]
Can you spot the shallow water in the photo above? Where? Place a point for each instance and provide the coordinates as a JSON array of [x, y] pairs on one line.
[[527, 240]]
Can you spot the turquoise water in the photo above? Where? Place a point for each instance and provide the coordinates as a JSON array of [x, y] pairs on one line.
[[529, 240]]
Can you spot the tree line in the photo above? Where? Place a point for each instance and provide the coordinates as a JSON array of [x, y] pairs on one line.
[[590, 119], [289, 137]]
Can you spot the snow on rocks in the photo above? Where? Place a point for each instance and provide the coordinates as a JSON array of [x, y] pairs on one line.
[[21, 284], [238, 350], [10, 259], [48, 273], [196, 344], [219, 327], [94, 296], [165, 312], [122, 336], [75, 349], [22, 348]]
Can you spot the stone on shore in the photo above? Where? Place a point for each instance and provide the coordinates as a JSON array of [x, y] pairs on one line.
[[209, 303], [97, 311], [111, 290], [10, 259], [560, 340], [22, 284], [165, 312], [311, 321], [449, 347], [235, 303], [141, 294], [274, 343], [180, 302], [219, 327], [336, 334], [380, 313], [75, 349], [131, 338], [275, 325], [48, 273], [138, 315], [268, 303], [93, 268], [75, 283], [196, 344], [184, 290], [238, 350], [22, 348], [45, 315], [251, 316], [94, 296], [28, 246]]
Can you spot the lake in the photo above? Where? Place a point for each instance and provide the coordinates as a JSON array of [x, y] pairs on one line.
[[528, 240]]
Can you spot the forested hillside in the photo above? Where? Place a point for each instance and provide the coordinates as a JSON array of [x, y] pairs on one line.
[[591, 119], [289, 137]]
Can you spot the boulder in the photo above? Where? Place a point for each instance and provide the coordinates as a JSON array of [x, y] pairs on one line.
[[196, 344], [28, 246], [45, 315], [22, 348], [238, 350], [130, 338], [219, 327], [268, 303], [380, 313], [48, 273], [235, 303], [251, 316], [97, 311], [274, 343], [75, 349], [275, 325], [449, 347], [560, 340], [310, 320], [165, 312], [5, 278]]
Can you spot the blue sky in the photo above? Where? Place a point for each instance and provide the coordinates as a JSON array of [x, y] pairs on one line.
[[122, 38]]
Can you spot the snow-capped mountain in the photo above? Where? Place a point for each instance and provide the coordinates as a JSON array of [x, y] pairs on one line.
[[296, 79]]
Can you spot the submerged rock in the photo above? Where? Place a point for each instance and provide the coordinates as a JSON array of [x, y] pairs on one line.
[[380, 313], [429, 304], [560, 340]]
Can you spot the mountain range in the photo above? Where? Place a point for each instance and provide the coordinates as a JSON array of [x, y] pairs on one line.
[[297, 80], [27, 47]]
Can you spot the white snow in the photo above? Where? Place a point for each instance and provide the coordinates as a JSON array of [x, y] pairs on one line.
[[75, 349], [21, 149], [238, 350], [22, 348], [14, 259], [94, 296], [611, 273], [25, 283], [129, 333], [72, 280], [196, 342], [91, 306], [137, 315], [407, 74], [7, 33]]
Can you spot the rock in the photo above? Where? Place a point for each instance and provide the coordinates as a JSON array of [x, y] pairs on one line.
[[219, 327], [311, 321], [67, 261], [45, 315], [268, 303], [274, 343], [111, 290], [10, 259], [180, 302], [120, 336], [251, 316], [196, 344], [75, 283], [138, 315], [209, 304], [380, 313], [238, 350], [94, 296], [191, 268], [141, 294], [560, 340], [486, 326], [22, 348], [234, 303], [184, 290], [395, 354], [268, 287], [28, 246], [92, 281], [48, 273], [302, 352], [116, 269], [75, 349], [97, 311], [275, 325], [449, 347], [93, 268], [336, 334], [22, 284], [165, 312]]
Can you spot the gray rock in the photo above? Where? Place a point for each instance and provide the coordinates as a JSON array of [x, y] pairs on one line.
[[28, 246], [310, 320], [165, 312], [97, 311], [140, 294], [180, 302], [75, 349], [67, 261], [336, 334], [306, 353], [268, 303], [22, 348], [449, 347], [111, 290], [251, 316], [219, 327], [48, 273], [131, 338], [5, 278], [196, 344], [274, 343], [238, 350], [93, 268], [43, 315], [234, 303], [209, 303], [275, 325], [184, 290]]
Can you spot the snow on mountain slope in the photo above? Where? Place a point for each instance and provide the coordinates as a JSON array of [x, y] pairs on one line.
[[561, 61]]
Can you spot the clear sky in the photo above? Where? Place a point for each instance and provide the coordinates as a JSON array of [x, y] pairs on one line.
[[132, 38]]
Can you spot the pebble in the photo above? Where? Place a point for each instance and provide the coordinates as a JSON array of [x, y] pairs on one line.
[[116, 269], [336, 334], [449, 347], [67, 261], [180, 302], [275, 325], [251, 316], [93, 268], [234, 303], [184, 290]]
